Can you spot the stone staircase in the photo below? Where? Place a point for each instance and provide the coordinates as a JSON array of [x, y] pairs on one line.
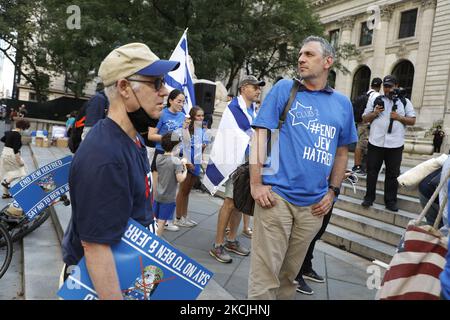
[[374, 232]]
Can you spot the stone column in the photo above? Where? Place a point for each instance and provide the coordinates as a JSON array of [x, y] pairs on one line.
[[344, 82], [380, 40], [420, 72]]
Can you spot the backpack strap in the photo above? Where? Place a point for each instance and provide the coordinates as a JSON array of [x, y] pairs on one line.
[[288, 105]]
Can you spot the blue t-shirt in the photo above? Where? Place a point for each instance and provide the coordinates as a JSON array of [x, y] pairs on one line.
[[109, 183], [318, 123], [169, 121], [96, 109]]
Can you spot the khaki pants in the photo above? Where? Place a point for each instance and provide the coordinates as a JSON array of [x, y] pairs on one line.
[[281, 237], [363, 136]]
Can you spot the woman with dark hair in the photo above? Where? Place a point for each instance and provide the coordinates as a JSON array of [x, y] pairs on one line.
[[172, 119], [11, 163], [199, 140]]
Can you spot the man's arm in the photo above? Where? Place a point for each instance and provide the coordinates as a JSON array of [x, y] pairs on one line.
[[153, 135], [407, 121], [102, 270], [368, 118], [337, 175], [258, 150]]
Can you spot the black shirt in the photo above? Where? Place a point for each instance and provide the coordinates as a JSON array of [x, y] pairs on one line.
[[12, 139]]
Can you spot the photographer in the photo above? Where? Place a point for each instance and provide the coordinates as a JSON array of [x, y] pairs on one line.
[[388, 117]]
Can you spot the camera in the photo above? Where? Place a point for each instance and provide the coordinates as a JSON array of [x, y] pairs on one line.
[[398, 93], [378, 101]]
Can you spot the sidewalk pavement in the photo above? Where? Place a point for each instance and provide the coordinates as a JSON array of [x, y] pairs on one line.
[[345, 273]]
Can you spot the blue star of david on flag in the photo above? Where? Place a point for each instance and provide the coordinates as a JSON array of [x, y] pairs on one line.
[[303, 115]]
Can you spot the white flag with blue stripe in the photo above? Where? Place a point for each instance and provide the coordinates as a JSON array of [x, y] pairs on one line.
[[230, 144], [181, 78]]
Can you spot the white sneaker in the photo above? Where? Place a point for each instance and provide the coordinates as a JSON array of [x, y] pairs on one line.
[[183, 222], [192, 221], [171, 227]]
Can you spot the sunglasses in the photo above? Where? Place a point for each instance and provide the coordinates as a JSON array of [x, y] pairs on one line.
[[157, 84]]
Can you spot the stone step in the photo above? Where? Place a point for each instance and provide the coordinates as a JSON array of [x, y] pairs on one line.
[[358, 244], [405, 203], [377, 211], [409, 160], [42, 254], [372, 228]]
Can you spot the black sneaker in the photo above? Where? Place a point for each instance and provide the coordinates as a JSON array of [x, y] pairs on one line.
[[358, 170], [366, 203], [392, 207], [303, 287], [313, 276], [6, 184]]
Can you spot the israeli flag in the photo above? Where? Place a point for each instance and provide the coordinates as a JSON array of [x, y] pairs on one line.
[[230, 144], [181, 78]]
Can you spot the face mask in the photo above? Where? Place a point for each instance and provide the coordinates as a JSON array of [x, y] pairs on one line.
[[141, 120]]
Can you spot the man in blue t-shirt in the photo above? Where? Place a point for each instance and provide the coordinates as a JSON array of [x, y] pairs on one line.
[[96, 109], [110, 180], [294, 195]]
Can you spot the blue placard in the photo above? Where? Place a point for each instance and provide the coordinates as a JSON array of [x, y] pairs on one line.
[[40, 189], [148, 267]]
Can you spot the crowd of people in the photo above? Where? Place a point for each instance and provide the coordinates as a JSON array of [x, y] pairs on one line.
[[155, 151]]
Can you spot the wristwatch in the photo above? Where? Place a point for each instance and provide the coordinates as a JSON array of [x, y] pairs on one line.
[[336, 190]]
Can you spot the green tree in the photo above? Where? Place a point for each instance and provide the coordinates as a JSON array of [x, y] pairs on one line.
[[21, 32], [224, 36]]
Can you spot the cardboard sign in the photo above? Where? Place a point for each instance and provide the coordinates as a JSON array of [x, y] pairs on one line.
[[148, 267], [40, 189]]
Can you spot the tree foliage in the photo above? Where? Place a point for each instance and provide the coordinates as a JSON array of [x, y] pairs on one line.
[[262, 36], [21, 31]]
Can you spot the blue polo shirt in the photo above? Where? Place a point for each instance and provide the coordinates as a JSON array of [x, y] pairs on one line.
[[169, 121], [109, 183], [317, 124]]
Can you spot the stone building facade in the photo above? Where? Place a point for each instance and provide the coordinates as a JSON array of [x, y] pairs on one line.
[[57, 89], [410, 39]]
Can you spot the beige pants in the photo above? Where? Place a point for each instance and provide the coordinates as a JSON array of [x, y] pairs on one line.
[[281, 237]]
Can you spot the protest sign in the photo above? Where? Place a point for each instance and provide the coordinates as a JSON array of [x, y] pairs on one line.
[[40, 189], [148, 267]]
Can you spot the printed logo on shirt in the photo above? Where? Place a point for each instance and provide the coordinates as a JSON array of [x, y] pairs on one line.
[[303, 115], [172, 125], [320, 151], [308, 117], [148, 185]]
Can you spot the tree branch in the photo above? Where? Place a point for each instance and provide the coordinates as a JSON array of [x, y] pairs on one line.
[[163, 14]]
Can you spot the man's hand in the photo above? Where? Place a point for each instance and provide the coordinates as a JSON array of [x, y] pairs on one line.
[[263, 196], [396, 116], [324, 206], [378, 109]]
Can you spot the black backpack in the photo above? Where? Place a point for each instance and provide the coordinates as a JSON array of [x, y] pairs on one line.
[[77, 129], [359, 105]]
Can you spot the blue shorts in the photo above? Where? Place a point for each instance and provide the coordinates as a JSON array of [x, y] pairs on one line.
[[164, 211]]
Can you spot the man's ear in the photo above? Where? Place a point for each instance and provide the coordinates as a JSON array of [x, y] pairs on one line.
[[123, 85], [329, 62]]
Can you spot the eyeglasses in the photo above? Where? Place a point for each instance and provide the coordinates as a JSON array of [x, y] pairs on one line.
[[158, 83]]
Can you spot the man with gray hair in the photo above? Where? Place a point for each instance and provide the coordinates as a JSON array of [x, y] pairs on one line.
[[290, 204], [110, 179]]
